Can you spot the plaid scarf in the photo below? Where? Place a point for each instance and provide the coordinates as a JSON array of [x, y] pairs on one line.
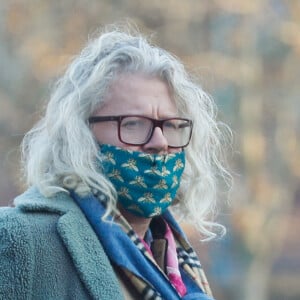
[[147, 277]]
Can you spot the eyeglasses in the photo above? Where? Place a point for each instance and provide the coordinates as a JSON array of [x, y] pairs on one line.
[[138, 130]]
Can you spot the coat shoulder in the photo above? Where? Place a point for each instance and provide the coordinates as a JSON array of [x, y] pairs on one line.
[[33, 259], [43, 239]]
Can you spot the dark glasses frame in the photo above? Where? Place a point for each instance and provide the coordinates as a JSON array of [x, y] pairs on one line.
[[155, 123]]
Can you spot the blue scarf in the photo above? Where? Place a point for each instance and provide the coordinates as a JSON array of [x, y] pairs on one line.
[[123, 251]]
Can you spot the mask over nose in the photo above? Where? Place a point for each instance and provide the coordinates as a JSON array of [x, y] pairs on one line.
[[146, 183]]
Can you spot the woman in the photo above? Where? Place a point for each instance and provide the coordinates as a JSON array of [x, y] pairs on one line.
[[126, 135]]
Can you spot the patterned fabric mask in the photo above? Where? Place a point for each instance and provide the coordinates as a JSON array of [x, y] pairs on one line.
[[146, 183]]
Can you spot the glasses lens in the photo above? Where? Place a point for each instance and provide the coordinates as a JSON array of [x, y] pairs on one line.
[[177, 132], [135, 130]]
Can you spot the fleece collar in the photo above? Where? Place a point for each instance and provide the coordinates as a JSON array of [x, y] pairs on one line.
[[32, 200]]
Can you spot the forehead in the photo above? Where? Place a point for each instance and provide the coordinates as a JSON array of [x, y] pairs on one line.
[[139, 94]]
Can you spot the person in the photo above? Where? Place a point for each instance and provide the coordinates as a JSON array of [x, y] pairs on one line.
[[128, 143]]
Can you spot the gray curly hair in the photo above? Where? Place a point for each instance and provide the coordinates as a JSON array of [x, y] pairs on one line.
[[60, 151]]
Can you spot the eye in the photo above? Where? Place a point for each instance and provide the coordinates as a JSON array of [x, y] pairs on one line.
[[132, 123], [170, 124], [184, 125]]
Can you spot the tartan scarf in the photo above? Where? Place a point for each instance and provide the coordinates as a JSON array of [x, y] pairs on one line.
[[163, 250], [136, 261]]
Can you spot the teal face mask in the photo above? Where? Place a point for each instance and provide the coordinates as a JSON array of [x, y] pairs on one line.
[[146, 183]]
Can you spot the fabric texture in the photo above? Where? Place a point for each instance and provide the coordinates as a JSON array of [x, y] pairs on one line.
[[137, 262], [48, 250], [146, 183], [172, 266]]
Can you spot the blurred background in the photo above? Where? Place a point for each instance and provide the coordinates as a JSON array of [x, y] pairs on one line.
[[246, 54]]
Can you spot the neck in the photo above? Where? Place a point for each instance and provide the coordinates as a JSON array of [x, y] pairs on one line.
[[139, 224]]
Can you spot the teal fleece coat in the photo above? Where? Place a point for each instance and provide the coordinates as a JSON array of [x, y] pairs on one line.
[[48, 250]]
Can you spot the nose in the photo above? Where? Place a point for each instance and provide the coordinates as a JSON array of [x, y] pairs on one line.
[[157, 144]]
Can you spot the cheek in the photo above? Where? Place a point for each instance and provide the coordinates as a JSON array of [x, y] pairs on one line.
[[175, 150], [106, 134]]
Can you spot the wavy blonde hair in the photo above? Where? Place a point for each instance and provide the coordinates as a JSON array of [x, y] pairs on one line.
[[60, 151]]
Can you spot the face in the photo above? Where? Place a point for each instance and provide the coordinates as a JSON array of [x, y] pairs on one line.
[[136, 95]]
